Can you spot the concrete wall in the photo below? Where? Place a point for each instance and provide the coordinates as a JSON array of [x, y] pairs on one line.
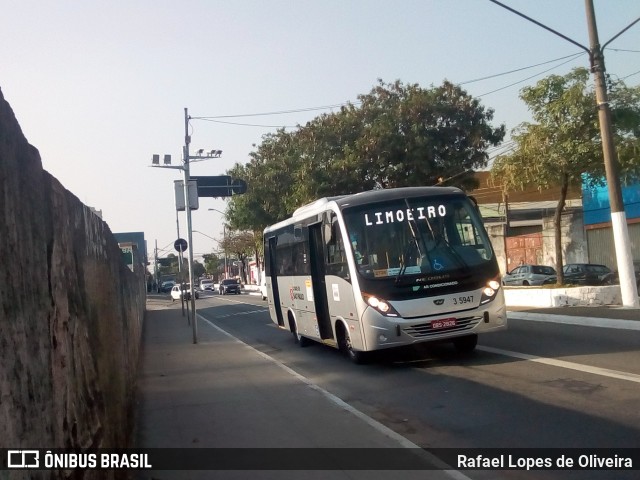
[[70, 317], [562, 297]]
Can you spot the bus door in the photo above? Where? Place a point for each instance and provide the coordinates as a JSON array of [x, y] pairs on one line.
[[316, 250], [273, 273]]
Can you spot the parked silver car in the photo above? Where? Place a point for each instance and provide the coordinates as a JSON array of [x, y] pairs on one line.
[[530, 275]]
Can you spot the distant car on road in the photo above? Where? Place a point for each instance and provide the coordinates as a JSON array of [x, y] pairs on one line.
[[530, 275], [176, 292], [167, 286], [206, 285], [588, 274], [229, 285]]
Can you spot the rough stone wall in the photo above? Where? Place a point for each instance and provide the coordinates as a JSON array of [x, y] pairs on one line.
[[496, 235], [71, 313], [574, 242]]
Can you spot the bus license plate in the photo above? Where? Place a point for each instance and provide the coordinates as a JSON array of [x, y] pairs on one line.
[[446, 323]]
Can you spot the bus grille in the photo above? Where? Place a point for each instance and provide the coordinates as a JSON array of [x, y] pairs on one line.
[[422, 330]]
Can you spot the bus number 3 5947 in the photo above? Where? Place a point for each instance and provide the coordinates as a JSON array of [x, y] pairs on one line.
[[463, 300]]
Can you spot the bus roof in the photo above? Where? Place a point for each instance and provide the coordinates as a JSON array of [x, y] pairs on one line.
[[382, 195], [363, 198]]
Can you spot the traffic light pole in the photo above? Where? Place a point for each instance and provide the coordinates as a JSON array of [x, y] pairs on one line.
[[192, 299]]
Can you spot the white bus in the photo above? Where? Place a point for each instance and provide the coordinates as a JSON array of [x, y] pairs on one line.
[[384, 269]]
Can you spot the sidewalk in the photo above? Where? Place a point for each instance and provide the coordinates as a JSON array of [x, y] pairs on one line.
[[221, 393], [606, 317]]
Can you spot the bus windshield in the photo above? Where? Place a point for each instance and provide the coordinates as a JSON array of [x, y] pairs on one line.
[[417, 236]]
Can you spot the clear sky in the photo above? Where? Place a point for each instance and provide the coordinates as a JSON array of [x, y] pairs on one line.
[[100, 86]]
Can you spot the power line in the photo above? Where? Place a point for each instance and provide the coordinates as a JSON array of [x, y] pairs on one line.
[[623, 50], [521, 69], [630, 75], [216, 118], [279, 112], [528, 78], [244, 124]]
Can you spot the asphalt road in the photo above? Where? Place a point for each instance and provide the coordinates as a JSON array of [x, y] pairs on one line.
[[537, 385]]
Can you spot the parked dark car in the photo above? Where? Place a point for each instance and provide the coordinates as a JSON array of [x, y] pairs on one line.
[[167, 286], [530, 275], [229, 285], [588, 274]]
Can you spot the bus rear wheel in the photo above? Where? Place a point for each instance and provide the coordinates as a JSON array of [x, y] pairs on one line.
[[299, 339], [466, 344]]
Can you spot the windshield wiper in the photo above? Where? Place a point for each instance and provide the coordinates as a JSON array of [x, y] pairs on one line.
[[416, 242], [442, 238]]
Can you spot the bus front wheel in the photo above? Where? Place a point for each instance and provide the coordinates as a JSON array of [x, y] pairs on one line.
[[344, 343], [466, 344]]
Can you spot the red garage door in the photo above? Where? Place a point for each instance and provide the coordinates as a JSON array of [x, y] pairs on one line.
[[525, 248]]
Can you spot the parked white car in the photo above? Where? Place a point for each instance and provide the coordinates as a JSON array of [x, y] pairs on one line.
[[176, 292], [206, 285]]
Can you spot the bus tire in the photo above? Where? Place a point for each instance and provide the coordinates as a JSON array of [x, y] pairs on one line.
[[466, 344], [299, 339], [344, 344]]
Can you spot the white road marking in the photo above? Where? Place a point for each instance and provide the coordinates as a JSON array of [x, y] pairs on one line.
[[631, 377], [404, 442]]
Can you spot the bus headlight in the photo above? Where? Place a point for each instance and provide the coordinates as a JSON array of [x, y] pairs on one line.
[[489, 291], [380, 305]]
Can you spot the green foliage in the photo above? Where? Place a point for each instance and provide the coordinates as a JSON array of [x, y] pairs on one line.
[[565, 141], [198, 269], [211, 263], [399, 135], [241, 245]]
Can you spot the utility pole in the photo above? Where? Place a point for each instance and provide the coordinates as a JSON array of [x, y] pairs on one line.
[[155, 267], [624, 258], [618, 216]]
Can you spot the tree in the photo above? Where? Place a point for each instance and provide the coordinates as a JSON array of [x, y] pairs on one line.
[[564, 142], [398, 135], [198, 269], [240, 244], [211, 263]]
